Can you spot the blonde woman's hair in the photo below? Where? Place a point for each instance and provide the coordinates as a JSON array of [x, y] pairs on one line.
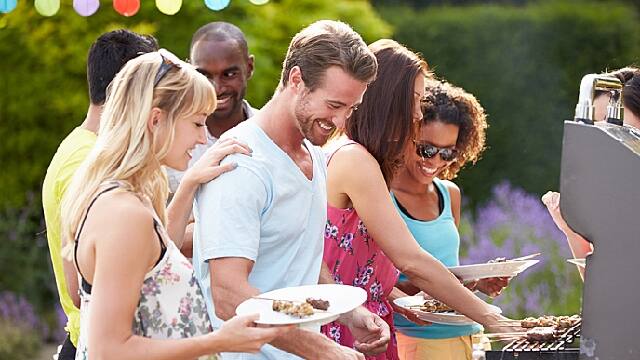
[[126, 150]]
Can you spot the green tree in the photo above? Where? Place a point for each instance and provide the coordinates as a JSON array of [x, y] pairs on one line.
[[524, 64], [42, 66], [43, 96]]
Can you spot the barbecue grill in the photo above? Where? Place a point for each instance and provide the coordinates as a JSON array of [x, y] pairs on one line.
[[562, 348], [601, 201]]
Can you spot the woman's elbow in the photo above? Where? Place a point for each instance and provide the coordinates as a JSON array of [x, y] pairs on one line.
[[408, 265]]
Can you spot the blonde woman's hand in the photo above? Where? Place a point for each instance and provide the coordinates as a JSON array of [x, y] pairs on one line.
[[240, 334], [208, 166]]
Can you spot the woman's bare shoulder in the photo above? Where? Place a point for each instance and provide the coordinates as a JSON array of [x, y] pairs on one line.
[[353, 156], [452, 187], [120, 208]]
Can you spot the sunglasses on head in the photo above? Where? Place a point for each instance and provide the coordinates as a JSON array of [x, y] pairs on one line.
[[168, 61], [427, 151]]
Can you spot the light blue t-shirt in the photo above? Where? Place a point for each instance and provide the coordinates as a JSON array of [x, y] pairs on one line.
[[267, 211], [440, 238]]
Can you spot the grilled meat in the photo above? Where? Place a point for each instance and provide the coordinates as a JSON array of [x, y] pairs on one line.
[[318, 303]]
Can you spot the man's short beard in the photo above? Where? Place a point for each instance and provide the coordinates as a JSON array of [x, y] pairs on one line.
[[305, 122]]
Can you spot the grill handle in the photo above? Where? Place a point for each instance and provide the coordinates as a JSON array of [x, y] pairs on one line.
[[588, 86]]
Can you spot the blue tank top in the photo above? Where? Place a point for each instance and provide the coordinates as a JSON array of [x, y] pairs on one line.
[[441, 239]]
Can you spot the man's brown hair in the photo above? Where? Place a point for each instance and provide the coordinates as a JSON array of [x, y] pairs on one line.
[[327, 43]]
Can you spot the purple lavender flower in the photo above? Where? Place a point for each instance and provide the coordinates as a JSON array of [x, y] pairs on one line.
[[61, 319], [17, 310], [514, 223]]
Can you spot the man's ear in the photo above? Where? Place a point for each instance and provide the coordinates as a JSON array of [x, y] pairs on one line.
[[295, 79], [154, 119], [250, 60]]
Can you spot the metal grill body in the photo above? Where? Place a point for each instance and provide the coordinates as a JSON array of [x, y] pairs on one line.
[[600, 201]]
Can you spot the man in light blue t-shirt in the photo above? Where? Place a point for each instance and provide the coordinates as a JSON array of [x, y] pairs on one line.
[[260, 227]]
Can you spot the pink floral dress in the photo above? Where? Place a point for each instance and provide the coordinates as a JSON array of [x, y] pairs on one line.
[[355, 259]]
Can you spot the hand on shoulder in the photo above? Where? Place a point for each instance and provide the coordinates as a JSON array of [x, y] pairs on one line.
[[208, 167]]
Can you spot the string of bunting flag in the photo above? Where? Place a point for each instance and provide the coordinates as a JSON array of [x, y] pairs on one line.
[[122, 7]]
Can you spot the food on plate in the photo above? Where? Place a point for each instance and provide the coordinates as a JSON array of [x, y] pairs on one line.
[[294, 309], [319, 304], [433, 306], [300, 309]]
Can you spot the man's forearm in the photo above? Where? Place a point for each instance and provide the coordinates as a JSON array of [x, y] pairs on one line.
[[306, 344], [226, 298]]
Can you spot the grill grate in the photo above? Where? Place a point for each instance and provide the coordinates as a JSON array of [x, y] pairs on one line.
[[523, 349], [567, 337]]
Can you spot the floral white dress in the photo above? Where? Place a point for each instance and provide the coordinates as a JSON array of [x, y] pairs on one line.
[[171, 305]]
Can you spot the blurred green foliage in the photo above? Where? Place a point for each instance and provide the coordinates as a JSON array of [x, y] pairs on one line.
[[18, 342], [524, 64], [43, 96], [25, 265], [42, 65]]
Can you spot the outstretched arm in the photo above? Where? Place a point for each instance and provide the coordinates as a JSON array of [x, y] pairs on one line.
[[579, 246], [370, 197]]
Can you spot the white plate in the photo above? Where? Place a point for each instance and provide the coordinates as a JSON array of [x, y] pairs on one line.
[[579, 262], [440, 318], [342, 299], [507, 268]]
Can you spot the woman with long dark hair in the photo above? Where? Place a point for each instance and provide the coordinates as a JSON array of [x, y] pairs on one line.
[[366, 241]]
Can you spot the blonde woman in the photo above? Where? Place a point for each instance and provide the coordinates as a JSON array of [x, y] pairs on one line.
[[137, 290]]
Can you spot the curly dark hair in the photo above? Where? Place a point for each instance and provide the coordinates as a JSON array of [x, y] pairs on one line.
[[452, 105]]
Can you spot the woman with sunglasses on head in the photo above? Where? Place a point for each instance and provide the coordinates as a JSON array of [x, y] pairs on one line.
[[450, 134], [366, 241], [139, 298]]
